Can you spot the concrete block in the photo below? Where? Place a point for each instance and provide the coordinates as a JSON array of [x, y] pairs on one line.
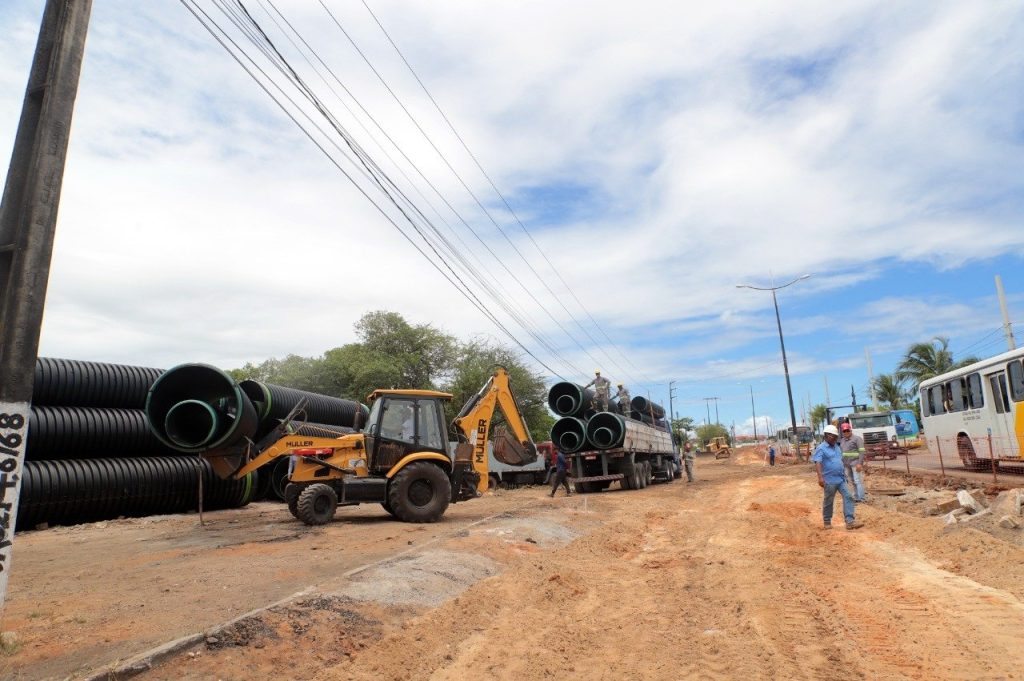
[[1008, 502], [1009, 522], [968, 501], [944, 507], [951, 519], [980, 497], [974, 516]]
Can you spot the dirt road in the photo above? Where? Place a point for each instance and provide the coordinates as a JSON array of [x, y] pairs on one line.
[[729, 577]]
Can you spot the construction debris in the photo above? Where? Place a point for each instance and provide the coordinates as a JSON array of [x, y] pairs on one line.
[[969, 501], [1009, 522], [944, 507], [1008, 502]]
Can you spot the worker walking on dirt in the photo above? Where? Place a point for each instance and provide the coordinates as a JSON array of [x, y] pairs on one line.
[[853, 460], [602, 388], [688, 457], [623, 398], [771, 454], [561, 474], [828, 461]]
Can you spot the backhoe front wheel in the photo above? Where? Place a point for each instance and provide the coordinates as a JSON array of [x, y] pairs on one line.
[[316, 504], [419, 493]]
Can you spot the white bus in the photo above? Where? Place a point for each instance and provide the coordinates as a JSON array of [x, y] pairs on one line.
[[968, 405]]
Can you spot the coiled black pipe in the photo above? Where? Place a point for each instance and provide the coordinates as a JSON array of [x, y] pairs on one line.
[[90, 432], [68, 492], [569, 399], [644, 406], [197, 407], [569, 434], [273, 402], [77, 383]]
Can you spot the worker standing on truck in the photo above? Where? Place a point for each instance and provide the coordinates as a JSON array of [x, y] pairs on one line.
[[623, 397], [602, 388], [853, 460], [828, 460], [688, 457], [561, 474]]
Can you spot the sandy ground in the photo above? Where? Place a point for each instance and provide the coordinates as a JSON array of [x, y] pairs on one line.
[[729, 577]]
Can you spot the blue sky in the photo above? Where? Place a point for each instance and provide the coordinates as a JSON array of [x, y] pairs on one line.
[[658, 158]]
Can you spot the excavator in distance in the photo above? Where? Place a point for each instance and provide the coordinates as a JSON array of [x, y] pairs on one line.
[[402, 459]]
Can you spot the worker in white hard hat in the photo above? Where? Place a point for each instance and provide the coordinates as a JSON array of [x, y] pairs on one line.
[[623, 398], [602, 387], [828, 461]]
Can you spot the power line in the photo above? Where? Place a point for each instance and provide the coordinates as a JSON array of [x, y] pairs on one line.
[[367, 169], [511, 211], [462, 181]]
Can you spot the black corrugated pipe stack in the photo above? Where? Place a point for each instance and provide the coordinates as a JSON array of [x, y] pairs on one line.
[[273, 402], [91, 456], [199, 408], [68, 492], [324, 416]]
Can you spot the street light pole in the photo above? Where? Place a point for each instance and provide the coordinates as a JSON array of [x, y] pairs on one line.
[[753, 412], [782, 342], [785, 362]]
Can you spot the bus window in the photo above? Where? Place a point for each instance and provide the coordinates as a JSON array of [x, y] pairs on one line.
[[956, 393], [977, 399], [1016, 373], [998, 383], [935, 400]]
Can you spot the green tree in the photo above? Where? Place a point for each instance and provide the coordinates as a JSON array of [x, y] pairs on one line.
[[892, 391], [475, 363], [422, 354], [681, 428], [706, 432], [927, 360], [819, 415]]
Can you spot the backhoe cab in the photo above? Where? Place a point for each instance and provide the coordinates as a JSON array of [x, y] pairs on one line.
[[402, 460]]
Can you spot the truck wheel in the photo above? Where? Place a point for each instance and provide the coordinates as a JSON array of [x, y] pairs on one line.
[[642, 473], [493, 482], [316, 504], [650, 472], [420, 493]]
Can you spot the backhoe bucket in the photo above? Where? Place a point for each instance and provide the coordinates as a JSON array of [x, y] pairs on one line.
[[510, 451]]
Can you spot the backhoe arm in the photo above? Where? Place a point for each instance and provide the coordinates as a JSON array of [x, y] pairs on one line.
[[475, 419]]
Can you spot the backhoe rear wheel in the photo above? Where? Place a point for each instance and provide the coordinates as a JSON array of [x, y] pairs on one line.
[[317, 504], [419, 493]]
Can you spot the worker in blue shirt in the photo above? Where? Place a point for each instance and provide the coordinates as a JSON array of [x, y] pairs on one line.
[[561, 474], [828, 460]]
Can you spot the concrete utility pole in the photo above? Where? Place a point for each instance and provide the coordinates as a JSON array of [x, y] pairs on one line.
[[707, 403], [671, 394], [828, 400], [1011, 343], [28, 220], [871, 380]]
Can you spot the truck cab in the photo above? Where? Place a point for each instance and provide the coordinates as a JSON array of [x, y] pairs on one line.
[[878, 431]]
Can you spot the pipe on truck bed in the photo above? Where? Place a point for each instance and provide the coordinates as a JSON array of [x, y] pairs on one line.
[[569, 399], [569, 434]]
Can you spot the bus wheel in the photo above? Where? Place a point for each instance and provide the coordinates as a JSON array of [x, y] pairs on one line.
[[965, 448]]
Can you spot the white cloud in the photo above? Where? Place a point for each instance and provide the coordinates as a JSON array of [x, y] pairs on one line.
[[716, 142]]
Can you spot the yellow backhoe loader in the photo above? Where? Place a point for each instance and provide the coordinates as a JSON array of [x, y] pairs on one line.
[[402, 459]]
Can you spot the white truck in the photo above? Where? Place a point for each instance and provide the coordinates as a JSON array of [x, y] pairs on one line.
[[878, 429]]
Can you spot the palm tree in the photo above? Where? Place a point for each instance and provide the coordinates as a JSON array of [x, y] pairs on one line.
[[927, 360], [818, 416], [892, 390]]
